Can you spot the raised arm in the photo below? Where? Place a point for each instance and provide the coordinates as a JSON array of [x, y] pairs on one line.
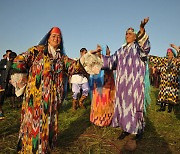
[[143, 38], [24, 61], [177, 48]]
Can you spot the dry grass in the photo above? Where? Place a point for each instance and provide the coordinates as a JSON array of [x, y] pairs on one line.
[[78, 136]]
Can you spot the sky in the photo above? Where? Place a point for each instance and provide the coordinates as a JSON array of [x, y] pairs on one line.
[[86, 23]]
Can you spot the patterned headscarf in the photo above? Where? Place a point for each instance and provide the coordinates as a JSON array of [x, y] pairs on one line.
[[44, 40]]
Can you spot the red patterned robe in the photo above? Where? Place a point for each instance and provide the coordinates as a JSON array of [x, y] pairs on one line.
[[43, 96]]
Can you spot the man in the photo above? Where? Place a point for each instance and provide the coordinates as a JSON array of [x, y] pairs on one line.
[[2, 83], [79, 82], [3, 78]]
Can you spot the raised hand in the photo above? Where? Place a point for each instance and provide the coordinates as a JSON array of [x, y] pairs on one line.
[[174, 46], [143, 23], [98, 48], [108, 52]]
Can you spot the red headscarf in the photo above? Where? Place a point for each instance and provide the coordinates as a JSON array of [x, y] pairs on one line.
[[55, 30]]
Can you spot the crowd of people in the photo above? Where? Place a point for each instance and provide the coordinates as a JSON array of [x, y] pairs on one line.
[[118, 84], [6, 88]]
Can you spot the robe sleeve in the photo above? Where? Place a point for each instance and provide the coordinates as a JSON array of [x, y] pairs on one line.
[[157, 61], [144, 44], [24, 61], [110, 62], [178, 53], [69, 63]]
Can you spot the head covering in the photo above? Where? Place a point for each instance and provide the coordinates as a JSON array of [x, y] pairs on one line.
[[55, 30], [171, 50], [131, 30], [44, 40]]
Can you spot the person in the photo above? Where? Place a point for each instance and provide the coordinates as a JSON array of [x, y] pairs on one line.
[[177, 48], [130, 64], [10, 90], [103, 93], [169, 86], [44, 92], [3, 83], [79, 81]]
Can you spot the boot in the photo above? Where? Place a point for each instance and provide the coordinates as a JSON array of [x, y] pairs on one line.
[[162, 107], [170, 106], [74, 104], [81, 101], [123, 135], [139, 136]]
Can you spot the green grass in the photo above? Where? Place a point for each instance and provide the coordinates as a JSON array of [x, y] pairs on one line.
[[78, 136]]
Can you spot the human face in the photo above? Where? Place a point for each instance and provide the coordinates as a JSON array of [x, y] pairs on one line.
[[170, 55], [7, 54], [83, 53], [54, 40], [130, 36]]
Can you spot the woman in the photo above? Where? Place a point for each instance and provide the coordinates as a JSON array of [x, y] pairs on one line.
[[169, 86], [130, 64], [103, 93], [44, 93]]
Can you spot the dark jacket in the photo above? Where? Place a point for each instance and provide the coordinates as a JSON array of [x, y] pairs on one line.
[[3, 73]]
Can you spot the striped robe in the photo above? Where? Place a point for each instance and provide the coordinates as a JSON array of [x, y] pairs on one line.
[[130, 71]]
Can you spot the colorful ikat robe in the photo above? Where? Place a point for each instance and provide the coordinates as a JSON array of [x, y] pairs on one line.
[[43, 96], [129, 63], [102, 104], [169, 84]]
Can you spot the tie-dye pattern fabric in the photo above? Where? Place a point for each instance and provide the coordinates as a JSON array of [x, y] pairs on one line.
[[102, 104], [43, 96], [130, 71]]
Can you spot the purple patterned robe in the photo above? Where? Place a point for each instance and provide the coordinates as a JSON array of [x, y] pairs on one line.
[[130, 71]]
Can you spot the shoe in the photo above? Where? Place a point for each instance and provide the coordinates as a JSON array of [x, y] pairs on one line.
[[162, 108], [123, 135], [170, 108], [1, 116], [138, 136]]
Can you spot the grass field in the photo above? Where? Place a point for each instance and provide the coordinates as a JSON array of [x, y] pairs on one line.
[[78, 136]]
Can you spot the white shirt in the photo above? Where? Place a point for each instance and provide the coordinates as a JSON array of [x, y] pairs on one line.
[[79, 79], [51, 50]]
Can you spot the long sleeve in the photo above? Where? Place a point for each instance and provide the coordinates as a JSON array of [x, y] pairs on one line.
[[155, 60], [24, 61], [110, 62], [144, 44]]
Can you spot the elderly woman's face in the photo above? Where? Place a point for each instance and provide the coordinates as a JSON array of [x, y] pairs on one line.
[[170, 55], [54, 39], [130, 36]]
